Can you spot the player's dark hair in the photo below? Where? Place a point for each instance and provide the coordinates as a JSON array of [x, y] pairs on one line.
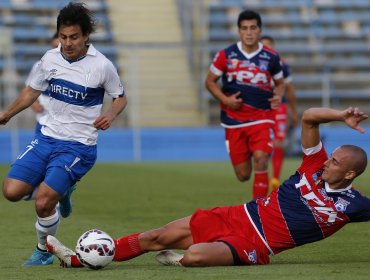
[[269, 38], [76, 14], [250, 15], [358, 165]]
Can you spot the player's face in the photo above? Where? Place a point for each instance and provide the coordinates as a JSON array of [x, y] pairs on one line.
[[336, 167], [250, 33], [73, 41]]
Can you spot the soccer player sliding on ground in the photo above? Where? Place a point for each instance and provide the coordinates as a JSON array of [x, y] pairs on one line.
[[310, 205]]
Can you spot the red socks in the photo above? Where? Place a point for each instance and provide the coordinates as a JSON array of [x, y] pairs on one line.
[[260, 184], [277, 161], [127, 247]]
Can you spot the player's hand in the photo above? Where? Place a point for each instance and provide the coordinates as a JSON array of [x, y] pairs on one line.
[[294, 120], [275, 101], [103, 122], [3, 118], [234, 102], [353, 116]]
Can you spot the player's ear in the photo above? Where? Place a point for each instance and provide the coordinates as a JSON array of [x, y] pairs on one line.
[[350, 175]]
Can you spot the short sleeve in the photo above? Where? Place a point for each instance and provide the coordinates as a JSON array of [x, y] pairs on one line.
[[112, 83]]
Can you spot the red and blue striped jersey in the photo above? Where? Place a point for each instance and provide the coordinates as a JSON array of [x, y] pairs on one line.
[[304, 209], [252, 75]]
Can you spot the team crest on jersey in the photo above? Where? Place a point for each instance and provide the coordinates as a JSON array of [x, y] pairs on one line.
[[263, 65], [252, 256], [316, 177], [233, 63], [341, 204]]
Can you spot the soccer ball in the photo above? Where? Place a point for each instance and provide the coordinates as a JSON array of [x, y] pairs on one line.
[[95, 249]]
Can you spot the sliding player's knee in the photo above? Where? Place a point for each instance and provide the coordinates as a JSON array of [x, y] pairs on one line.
[[194, 257]]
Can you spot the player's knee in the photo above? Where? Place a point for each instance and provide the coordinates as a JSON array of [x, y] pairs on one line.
[[243, 176], [44, 207], [193, 257], [10, 194]]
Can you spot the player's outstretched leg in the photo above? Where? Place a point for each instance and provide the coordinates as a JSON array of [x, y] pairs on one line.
[[65, 203], [169, 257], [66, 256], [39, 257]]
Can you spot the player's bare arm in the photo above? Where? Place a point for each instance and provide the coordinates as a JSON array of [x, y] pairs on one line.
[[105, 120], [313, 117], [292, 101], [232, 101], [27, 97]]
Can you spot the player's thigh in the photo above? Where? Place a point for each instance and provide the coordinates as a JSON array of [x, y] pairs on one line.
[[208, 254], [236, 140]]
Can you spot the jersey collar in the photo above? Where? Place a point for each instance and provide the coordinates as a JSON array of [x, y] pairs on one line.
[[249, 55], [328, 189]]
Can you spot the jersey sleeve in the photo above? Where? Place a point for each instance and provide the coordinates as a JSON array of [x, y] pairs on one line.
[[112, 83], [219, 64], [38, 77], [313, 158], [363, 215]]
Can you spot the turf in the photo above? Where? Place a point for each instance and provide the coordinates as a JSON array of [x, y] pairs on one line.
[[132, 197]]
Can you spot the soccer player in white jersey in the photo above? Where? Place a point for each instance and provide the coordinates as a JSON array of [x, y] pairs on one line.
[[76, 77]]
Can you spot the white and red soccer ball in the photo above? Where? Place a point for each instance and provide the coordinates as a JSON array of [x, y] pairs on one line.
[[95, 249]]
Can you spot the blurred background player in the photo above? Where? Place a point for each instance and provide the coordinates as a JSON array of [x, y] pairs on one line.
[[281, 118], [40, 105], [314, 203], [76, 76], [248, 99]]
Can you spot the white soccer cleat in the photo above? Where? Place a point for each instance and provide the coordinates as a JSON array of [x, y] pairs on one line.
[[63, 253], [169, 257]]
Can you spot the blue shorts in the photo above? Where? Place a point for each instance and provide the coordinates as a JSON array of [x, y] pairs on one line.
[[60, 164]]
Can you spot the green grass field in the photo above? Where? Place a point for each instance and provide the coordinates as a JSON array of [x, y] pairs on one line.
[[126, 198]]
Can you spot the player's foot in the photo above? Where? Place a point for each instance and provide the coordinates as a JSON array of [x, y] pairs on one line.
[[65, 203], [169, 257], [39, 258], [56, 248], [274, 184]]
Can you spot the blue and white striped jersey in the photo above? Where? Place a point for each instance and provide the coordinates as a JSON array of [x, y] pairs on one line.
[[76, 90]]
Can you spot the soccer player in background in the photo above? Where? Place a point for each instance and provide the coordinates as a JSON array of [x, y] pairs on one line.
[[314, 203], [248, 99], [281, 118], [76, 77]]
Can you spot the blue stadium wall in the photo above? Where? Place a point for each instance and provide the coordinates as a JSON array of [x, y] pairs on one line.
[[172, 144]]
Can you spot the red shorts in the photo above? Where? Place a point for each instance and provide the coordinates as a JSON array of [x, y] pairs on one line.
[[242, 141], [230, 225], [280, 128]]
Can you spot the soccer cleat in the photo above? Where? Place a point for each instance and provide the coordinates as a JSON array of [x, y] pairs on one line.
[[56, 248], [65, 203], [274, 184], [39, 258], [169, 257]]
